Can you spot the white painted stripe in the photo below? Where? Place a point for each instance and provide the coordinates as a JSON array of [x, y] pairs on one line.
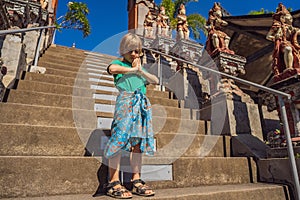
[[98, 61], [96, 70], [104, 108], [105, 88], [157, 172], [104, 123], [105, 97], [100, 75], [98, 65], [99, 80]]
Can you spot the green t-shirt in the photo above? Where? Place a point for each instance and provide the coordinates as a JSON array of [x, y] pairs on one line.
[[129, 82]]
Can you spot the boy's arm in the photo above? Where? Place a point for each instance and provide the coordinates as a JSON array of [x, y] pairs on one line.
[[117, 69], [149, 77]]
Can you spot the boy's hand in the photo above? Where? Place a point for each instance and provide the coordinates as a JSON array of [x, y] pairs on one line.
[[136, 62]]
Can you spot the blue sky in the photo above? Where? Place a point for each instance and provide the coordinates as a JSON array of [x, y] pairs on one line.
[[108, 18]]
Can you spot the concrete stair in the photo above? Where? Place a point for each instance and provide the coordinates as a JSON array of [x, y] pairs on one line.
[[224, 192], [53, 121]]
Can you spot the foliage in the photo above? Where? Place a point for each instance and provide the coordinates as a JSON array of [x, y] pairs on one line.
[[196, 21], [75, 18], [259, 12], [263, 11]]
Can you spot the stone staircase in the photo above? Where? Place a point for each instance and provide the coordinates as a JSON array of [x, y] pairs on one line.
[[54, 127]]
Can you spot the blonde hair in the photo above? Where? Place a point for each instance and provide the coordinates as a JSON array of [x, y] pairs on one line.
[[130, 42]]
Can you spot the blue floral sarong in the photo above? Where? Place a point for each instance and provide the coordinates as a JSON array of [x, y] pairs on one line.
[[132, 124]]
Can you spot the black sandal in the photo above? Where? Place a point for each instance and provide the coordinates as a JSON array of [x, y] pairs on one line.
[[142, 188], [117, 192]]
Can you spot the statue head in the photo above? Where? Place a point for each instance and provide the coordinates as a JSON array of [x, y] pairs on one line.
[[283, 15], [217, 11], [162, 10], [182, 10]]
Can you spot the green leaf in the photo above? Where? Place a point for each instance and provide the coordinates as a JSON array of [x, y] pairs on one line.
[[76, 18]]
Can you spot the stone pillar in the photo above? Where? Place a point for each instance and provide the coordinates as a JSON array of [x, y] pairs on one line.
[[13, 56], [137, 10], [30, 41], [290, 86], [192, 83], [231, 111]]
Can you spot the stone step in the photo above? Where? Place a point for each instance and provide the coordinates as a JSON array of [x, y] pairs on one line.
[[63, 65], [86, 118], [75, 56], [68, 73], [59, 64], [65, 51], [23, 176], [68, 101], [154, 102], [40, 86], [47, 116], [99, 55], [164, 124], [85, 82], [187, 145], [35, 140], [150, 93], [44, 175], [39, 98], [37, 86], [61, 80], [258, 191], [63, 58], [107, 110]]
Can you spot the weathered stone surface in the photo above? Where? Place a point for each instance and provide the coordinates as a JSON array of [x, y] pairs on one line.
[[212, 192], [42, 149], [40, 176], [13, 56], [233, 117]]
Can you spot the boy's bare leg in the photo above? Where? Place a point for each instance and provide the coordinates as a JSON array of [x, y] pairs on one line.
[[114, 169], [136, 165]]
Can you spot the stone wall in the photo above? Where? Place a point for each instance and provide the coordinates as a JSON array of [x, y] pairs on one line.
[[18, 50]]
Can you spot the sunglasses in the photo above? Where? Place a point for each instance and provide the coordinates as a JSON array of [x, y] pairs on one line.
[[135, 51]]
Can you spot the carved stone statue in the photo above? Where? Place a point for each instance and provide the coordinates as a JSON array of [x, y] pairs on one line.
[[217, 40], [44, 4], [182, 24], [162, 22], [148, 25], [286, 54]]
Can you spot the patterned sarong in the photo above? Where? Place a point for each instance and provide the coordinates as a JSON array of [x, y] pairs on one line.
[[132, 124]]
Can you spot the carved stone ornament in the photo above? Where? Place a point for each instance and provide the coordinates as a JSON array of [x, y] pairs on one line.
[[163, 44], [230, 63], [188, 50]]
